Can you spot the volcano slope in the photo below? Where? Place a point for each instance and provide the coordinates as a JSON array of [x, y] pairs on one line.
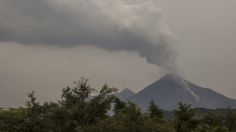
[[172, 89]]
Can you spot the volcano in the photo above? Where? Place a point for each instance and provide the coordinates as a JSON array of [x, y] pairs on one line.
[[172, 89]]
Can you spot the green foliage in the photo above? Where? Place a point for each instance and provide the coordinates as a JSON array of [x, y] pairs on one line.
[[154, 110], [130, 117], [230, 120], [83, 109], [12, 119], [183, 117], [220, 120], [119, 105]]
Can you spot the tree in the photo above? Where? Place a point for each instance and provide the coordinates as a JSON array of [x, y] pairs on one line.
[[78, 95], [131, 118], [99, 105], [79, 108], [119, 105], [183, 117], [83, 109], [155, 111]]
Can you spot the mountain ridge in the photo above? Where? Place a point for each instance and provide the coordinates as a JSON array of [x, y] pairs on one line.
[[171, 89]]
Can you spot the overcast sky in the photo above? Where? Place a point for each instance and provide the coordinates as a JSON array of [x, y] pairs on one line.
[[47, 44]]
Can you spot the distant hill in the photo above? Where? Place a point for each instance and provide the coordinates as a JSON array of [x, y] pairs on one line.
[[172, 89], [125, 94]]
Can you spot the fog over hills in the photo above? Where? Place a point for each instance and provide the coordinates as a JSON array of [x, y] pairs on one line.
[[171, 89]]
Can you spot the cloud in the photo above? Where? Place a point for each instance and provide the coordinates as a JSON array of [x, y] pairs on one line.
[[111, 25]]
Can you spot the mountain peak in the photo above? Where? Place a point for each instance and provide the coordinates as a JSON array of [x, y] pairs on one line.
[[126, 90], [170, 76], [171, 89], [125, 94], [173, 78]]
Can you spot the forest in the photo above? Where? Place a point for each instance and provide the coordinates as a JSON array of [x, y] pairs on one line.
[[86, 109]]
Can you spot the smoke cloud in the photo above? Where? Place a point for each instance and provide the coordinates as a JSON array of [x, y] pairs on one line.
[[108, 24]]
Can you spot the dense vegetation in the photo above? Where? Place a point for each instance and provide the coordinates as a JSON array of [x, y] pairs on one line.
[[83, 109]]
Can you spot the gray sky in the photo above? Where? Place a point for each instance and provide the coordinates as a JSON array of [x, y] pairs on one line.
[[46, 45]]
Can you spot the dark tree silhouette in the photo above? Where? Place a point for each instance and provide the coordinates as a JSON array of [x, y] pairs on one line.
[[154, 110]]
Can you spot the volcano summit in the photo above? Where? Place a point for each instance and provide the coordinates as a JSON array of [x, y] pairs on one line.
[[172, 89]]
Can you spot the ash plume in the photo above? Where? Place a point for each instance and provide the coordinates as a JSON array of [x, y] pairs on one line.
[[109, 24]]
